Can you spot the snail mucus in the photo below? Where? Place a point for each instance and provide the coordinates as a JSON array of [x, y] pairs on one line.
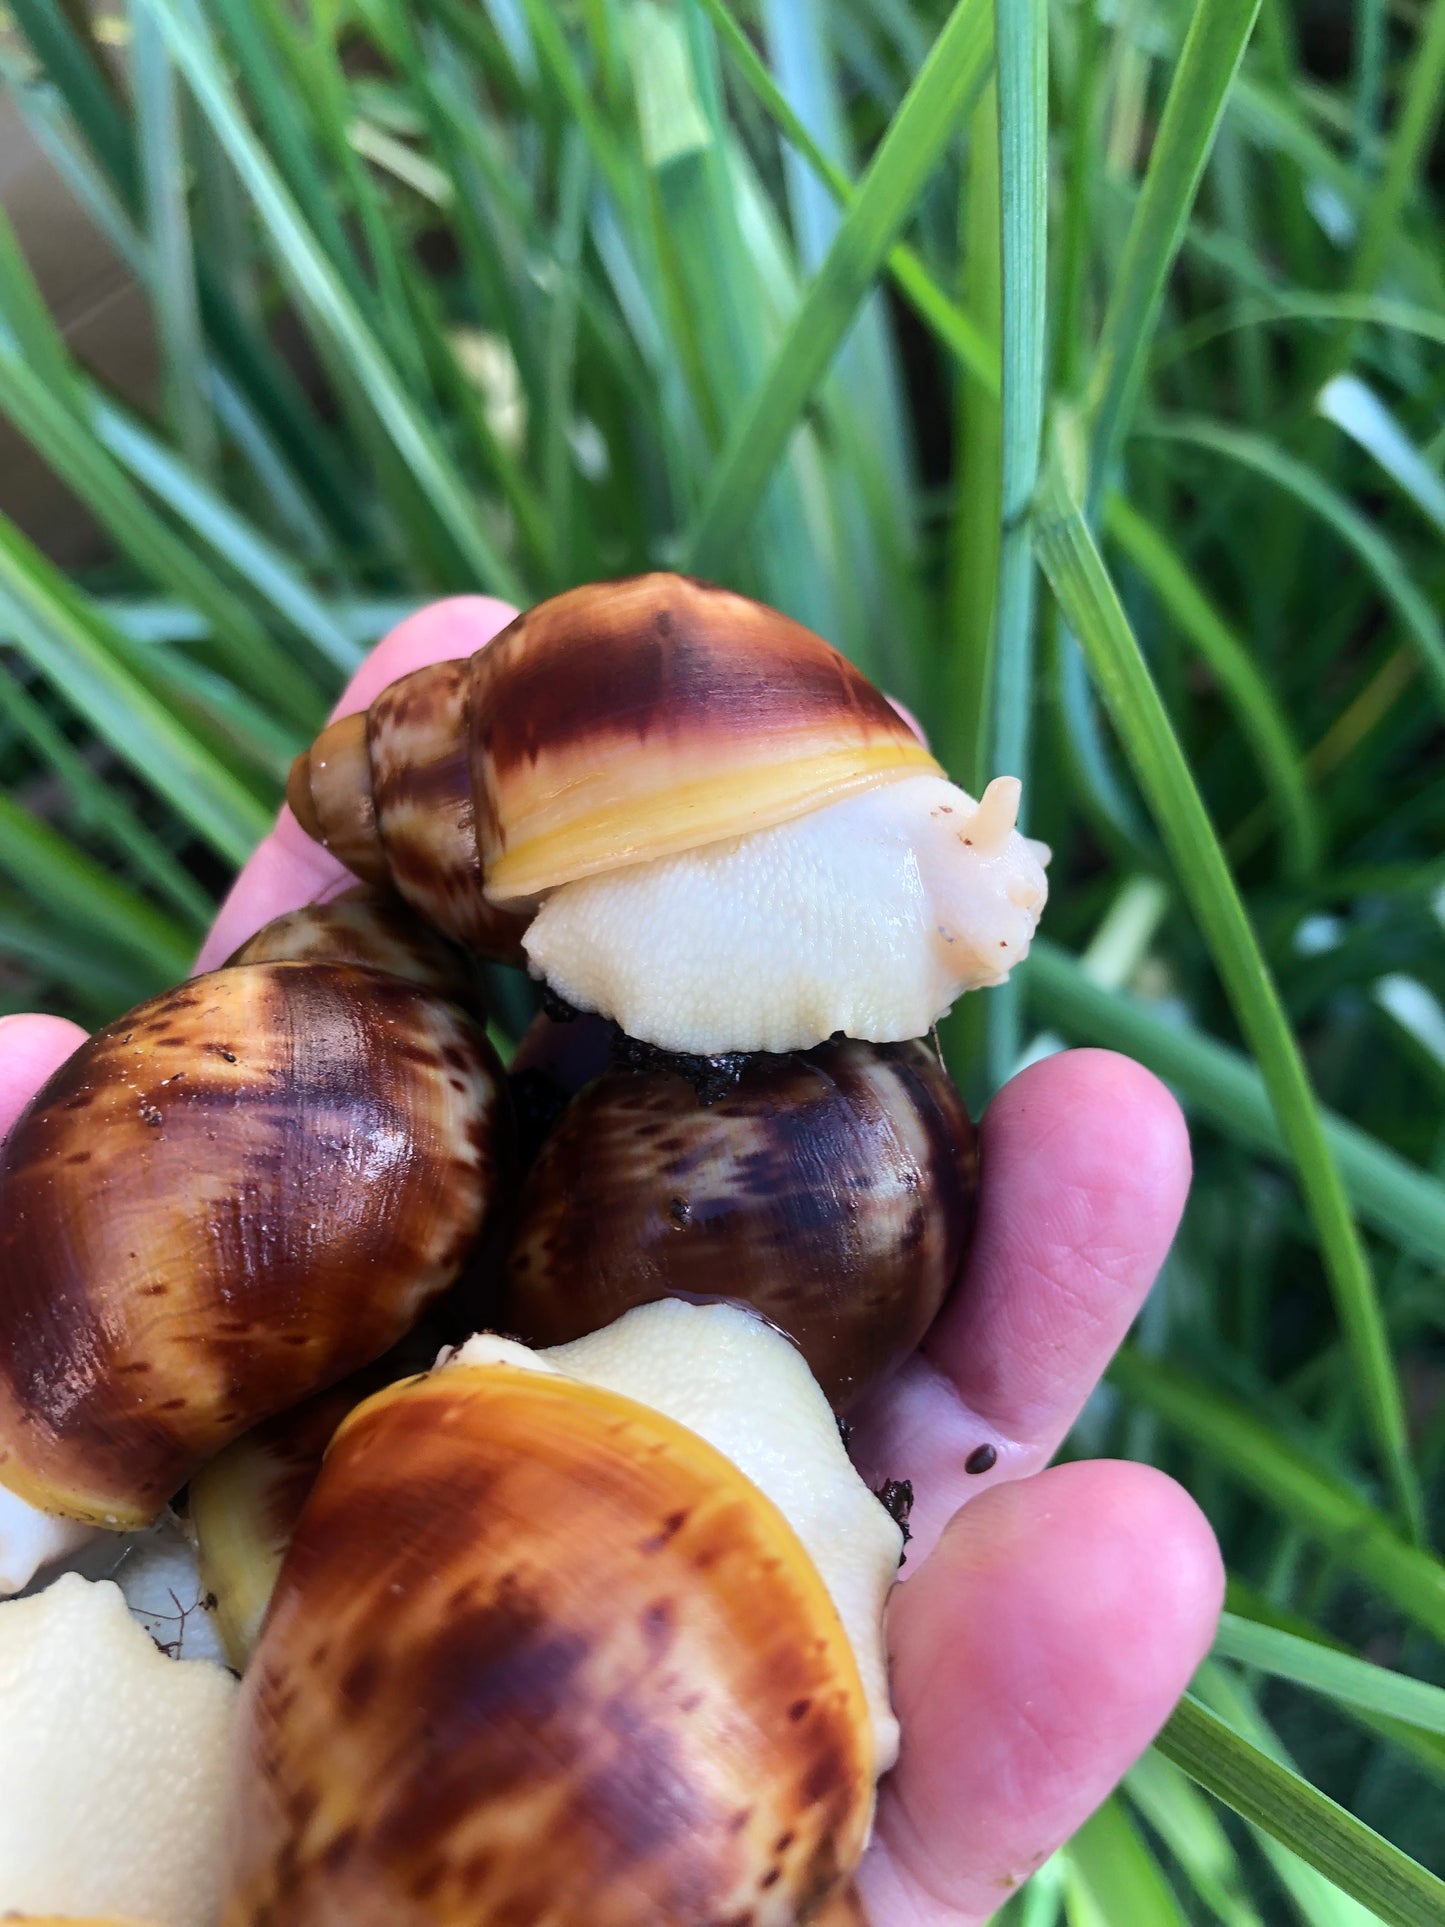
[[702, 829]]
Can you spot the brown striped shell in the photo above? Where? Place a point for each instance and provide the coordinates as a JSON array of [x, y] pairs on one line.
[[831, 1189], [611, 724], [235, 1195], [539, 1653], [372, 928]]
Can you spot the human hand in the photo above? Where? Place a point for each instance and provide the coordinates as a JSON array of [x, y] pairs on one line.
[[1048, 1619]]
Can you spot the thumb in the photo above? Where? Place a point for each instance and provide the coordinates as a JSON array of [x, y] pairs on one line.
[[31, 1049]]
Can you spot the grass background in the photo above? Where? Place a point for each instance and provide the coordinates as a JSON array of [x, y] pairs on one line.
[[1078, 368]]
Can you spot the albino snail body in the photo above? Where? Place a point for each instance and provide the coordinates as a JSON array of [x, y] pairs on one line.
[[238, 1193], [524, 1608], [113, 1765], [730, 839]]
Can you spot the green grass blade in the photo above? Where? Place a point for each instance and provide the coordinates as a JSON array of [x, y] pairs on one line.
[[711, 291], [1080, 126], [47, 400], [1261, 719], [949, 322], [976, 520], [1374, 549], [1336, 1675], [88, 666], [1123, 1877], [1356, 1858], [286, 111], [1369, 75], [560, 362], [1189, 1824], [1424, 97], [266, 570], [172, 280], [1293, 304], [1021, 30], [50, 958], [1247, 1446], [99, 808], [926, 121], [1219, 30], [1315, 1900], [51, 870], [305, 263], [1091, 607], [67, 62], [861, 448], [1427, 1750], [73, 451], [1399, 1201], [317, 71], [1354, 407]]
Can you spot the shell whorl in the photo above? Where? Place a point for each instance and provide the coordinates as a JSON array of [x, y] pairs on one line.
[[445, 1723], [389, 794], [609, 725], [234, 1195]]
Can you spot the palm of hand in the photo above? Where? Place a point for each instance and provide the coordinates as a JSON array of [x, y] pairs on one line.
[[1048, 1619]]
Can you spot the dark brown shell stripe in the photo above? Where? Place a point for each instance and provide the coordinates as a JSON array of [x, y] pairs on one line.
[[235, 1195], [831, 1189], [530, 1661], [656, 655], [657, 660]]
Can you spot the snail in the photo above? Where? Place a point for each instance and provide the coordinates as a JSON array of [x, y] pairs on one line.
[[693, 816], [544, 1651], [113, 1764], [233, 1196], [832, 1190]]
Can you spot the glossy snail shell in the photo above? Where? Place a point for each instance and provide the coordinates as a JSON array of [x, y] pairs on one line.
[[609, 725], [372, 928], [539, 1653], [830, 1189], [552, 1062], [233, 1196]]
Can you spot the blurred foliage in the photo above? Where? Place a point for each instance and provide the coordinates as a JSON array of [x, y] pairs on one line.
[[514, 295]]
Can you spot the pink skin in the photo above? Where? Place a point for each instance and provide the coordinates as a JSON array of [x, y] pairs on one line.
[[1048, 1619]]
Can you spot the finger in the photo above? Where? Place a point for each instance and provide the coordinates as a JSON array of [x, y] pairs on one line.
[[286, 869], [1032, 1660], [31, 1048], [1084, 1168]]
